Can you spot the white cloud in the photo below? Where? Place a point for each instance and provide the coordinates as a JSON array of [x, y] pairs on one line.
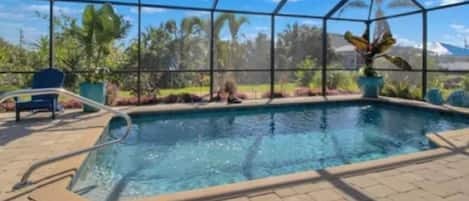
[[405, 42], [45, 9], [432, 3], [447, 2], [457, 26], [147, 10], [456, 35], [460, 29], [196, 13], [311, 22]]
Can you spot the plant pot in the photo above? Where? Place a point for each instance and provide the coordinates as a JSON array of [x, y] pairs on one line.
[[93, 91], [370, 86]]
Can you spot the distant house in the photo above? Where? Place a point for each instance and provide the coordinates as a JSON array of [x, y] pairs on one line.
[[450, 57], [349, 57]]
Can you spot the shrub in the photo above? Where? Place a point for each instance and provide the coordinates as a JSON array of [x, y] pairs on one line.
[[401, 90], [7, 106], [242, 96], [127, 101], [182, 98], [332, 92], [305, 91], [275, 95], [222, 96], [71, 104], [148, 100], [112, 91], [230, 87], [305, 77], [342, 81]]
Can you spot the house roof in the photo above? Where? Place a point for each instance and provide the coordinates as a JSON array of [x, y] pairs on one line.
[[455, 50]]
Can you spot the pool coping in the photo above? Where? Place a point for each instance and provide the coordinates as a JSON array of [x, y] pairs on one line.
[[232, 190]]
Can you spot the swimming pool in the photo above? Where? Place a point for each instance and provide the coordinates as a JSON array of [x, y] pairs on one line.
[[180, 151]]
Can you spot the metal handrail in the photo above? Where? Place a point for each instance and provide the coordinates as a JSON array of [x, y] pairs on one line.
[[24, 180]]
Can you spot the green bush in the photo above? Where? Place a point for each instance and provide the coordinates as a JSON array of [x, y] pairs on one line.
[[305, 77], [342, 80], [401, 90]]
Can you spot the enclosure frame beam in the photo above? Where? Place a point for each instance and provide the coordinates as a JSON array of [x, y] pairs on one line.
[[370, 9], [272, 57], [139, 54], [325, 41], [324, 58], [51, 34], [279, 6], [276, 12], [174, 7], [335, 9], [424, 52], [418, 4], [211, 51]]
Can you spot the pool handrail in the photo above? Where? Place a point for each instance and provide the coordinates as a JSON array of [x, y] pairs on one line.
[[60, 91]]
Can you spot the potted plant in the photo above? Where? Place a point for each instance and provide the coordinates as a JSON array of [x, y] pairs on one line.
[[100, 27], [369, 80], [94, 88]]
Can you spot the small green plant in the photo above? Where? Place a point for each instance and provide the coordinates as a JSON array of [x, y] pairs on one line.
[[401, 90], [465, 83], [305, 76], [342, 80]]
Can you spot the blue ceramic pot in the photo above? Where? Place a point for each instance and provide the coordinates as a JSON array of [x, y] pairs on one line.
[[93, 91], [434, 97], [459, 98], [370, 86]]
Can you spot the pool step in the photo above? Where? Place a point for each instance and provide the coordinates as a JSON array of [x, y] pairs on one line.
[[54, 194]]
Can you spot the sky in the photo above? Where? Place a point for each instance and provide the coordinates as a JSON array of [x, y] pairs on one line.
[[448, 26]]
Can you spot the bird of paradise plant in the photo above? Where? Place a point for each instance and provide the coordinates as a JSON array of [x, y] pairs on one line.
[[371, 50]]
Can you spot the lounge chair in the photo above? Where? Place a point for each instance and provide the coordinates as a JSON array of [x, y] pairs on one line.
[[48, 78]]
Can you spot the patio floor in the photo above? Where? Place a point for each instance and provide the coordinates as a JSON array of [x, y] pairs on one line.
[[440, 174], [439, 178]]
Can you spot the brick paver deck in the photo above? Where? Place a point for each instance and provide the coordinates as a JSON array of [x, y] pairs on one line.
[[439, 179], [436, 176], [37, 137]]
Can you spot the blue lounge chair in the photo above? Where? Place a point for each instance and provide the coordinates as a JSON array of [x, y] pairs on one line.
[[48, 78]]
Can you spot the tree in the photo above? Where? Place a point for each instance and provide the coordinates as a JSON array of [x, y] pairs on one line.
[[234, 24], [99, 29]]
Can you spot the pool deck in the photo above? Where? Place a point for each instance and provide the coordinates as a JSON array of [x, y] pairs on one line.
[[437, 174]]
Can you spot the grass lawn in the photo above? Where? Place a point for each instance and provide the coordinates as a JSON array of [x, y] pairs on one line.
[[253, 91]]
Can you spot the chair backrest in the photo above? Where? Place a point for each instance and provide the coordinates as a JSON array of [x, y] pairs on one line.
[[48, 78]]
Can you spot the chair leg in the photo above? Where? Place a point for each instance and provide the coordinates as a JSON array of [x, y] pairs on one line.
[[17, 115], [53, 112]]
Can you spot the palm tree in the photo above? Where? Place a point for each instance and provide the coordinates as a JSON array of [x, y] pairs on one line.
[[99, 29], [181, 34], [235, 24]]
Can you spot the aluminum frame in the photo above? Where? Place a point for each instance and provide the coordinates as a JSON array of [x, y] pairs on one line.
[[275, 13]]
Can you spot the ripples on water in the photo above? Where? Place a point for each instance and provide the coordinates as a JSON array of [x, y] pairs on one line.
[[178, 152]]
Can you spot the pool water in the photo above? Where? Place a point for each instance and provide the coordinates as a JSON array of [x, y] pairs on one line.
[[182, 151]]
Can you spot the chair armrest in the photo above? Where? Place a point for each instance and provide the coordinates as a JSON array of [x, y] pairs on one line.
[[17, 98]]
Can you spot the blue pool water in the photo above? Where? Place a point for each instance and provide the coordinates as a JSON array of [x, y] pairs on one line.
[[181, 151]]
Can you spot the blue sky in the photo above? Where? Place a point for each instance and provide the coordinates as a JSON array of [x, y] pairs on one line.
[[448, 26]]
